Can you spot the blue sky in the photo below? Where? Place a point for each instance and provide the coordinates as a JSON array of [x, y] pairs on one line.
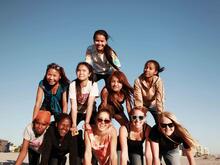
[[184, 36]]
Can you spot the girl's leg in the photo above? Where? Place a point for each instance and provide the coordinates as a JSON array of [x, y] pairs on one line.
[[154, 113], [172, 157], [136, 159], [33, 157]]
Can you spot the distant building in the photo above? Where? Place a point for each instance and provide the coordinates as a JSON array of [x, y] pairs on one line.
[[4, 145]]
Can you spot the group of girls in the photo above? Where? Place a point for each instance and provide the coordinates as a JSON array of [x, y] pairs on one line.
[[48, 142]]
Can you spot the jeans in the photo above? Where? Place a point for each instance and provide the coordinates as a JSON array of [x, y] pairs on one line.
[[171, 157], [154, 113], [135, 159], [98, 77]]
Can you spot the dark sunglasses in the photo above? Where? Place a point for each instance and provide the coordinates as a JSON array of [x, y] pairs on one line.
[[106, 121], [135, 117], [163, 125]]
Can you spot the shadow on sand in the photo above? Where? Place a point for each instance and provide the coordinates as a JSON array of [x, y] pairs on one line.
[[10, 162]]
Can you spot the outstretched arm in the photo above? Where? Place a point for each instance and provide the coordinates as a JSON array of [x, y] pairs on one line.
[[23, 152], [155, 152], [88, 150], [104, 97], [113, 143], [190, 157], [89, 109], [38, 101], [138, 98], [148, 152], [64, 102], [123, 134]]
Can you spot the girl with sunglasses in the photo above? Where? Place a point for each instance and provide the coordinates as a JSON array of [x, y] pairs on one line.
[[117, 92], [101, 56], [101, 140], [52, 92], [166, 137], [149, 90], [83, 92], [132, 138]]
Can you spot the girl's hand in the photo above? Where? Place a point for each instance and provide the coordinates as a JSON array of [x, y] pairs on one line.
[[87, 126], [74, 131]]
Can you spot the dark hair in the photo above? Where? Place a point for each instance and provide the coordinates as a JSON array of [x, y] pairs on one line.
[[106, 109], [107, 49], [64, 116], [91, 77], [157, 66], [64, 80], [127, 90]]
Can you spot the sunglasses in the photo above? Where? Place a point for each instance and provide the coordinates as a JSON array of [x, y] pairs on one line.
[[135, 117], [106, 121], [164, 125]]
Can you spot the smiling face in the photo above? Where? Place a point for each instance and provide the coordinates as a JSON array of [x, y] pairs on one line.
[[116, 86], [64, 126], [83, 73], [137, 118], [167, 126], [150, 70], [103, 121], [52, 76], [100, 42]]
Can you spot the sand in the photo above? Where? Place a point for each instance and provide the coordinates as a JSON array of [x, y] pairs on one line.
[[9, 159]]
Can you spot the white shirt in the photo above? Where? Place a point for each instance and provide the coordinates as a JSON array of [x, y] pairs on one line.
[[87, 91], [34, 142]]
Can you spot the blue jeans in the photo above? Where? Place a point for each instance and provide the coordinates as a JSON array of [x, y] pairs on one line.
[[135, 159], [171, 157], [154, 113]]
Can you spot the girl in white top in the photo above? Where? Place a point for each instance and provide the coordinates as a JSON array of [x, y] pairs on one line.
[[101, 56], [82, 93], [33, 138]]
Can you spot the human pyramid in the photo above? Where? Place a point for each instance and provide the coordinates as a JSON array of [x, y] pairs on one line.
[[49, 142]]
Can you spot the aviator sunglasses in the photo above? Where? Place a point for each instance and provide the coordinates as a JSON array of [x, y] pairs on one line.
[[106, 121], [164, 125], [135, 117]]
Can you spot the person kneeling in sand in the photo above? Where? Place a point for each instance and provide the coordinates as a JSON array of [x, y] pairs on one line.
[[33, 137]]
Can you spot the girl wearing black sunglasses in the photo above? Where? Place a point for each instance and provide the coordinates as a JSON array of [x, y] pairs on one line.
[[166, 137], [101, 140], [132, 137]]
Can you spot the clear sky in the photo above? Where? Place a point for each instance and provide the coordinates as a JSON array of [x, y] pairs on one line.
[[184, 36]]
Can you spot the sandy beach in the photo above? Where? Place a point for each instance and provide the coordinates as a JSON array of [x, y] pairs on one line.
[[9, 159]]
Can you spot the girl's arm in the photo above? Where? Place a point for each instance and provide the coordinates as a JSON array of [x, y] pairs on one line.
[[73, 105], [148, 152], [190, 157], [113, 146], [160, 96], [155, 152], [73, 110], [123, 134], [104, 97], [38, 101], [128, 106], [64, 102], [88, 56], [23, 152], [138, 98], [88, 150], [89, 109]]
